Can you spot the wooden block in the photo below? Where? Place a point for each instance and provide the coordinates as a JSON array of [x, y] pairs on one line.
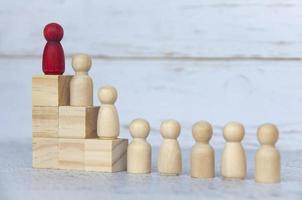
[[50, 90], [78, 122], [45, 153], [106, 155], [71, 154], [80, 154], [45, 121]]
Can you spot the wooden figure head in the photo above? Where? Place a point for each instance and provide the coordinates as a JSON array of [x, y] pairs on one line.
[[233, 132], [268, 134], [202, 131], [81, 63], [170, 129], [107, 94], [139, 128]]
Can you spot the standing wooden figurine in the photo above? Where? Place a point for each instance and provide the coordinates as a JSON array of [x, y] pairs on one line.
[[81, 85], [267, 159], [53, 60], [139, 150], [169, 159], [108, 126], [202, 154], [233, 165]]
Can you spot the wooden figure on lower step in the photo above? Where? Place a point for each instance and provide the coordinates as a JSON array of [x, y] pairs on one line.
[[169, 159], [139, 150], [233, 161], [202, 154], [108, 126], [267, 159]]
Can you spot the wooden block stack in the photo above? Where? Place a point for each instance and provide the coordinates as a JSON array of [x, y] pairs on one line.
[[64, 135]]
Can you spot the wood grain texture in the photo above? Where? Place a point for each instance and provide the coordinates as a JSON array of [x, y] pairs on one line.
[[139, 156], [50, 90], [267, 158], [139, 151], [233, 159], [45, 121], [45, 153], [81, 84], [108, 124], [169, 158], [159, 29], [80, 154], [202, 153], [106, 155], [71, 154], [78, 122]]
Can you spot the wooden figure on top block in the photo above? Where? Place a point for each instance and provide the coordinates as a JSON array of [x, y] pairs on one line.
[[108, 126], [267, 159], [233, 165], [53, 61], [139, 150], [202, 154], [169, 159], [81, 85]]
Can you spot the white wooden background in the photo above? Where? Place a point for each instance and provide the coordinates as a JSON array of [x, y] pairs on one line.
[[196, 29], [215, 60]]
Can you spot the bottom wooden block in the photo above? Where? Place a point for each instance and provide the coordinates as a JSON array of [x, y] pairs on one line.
[[71, 154], [45, 153], [106, 155], [80, 154]]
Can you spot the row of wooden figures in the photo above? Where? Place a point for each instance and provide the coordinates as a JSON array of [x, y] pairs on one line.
[[233, 166], [233, 162]]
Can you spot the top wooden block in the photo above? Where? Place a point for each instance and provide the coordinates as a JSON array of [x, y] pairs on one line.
[[50, 90]]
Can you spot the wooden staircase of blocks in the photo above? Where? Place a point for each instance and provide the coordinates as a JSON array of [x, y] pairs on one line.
[[64, 136]]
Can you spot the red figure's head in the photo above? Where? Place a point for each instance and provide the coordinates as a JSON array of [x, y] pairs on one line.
[[53, 32]]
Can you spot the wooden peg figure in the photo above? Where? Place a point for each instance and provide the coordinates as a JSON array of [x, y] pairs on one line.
[[53, 60], [139, 150], [233, 165], [202, 154], [169, 159], [108, 126], [267, 159], [81, 85]]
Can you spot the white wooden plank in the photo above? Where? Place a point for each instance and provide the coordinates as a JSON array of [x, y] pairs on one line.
[[155, 28]]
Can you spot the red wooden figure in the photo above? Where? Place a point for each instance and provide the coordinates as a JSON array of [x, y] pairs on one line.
[[53, 61]]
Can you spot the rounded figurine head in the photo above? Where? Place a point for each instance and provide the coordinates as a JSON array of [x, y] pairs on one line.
[[139, 128], [202, 131], [170, 129], [53, 32], [107, 94], [81, 62], [268, 134], [233, 132]]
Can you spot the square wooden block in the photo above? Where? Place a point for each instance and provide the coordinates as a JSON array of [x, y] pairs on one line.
[[45, 153], [78, 122], [71, 154], [106, 155], [50, 90], [45, 121]]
